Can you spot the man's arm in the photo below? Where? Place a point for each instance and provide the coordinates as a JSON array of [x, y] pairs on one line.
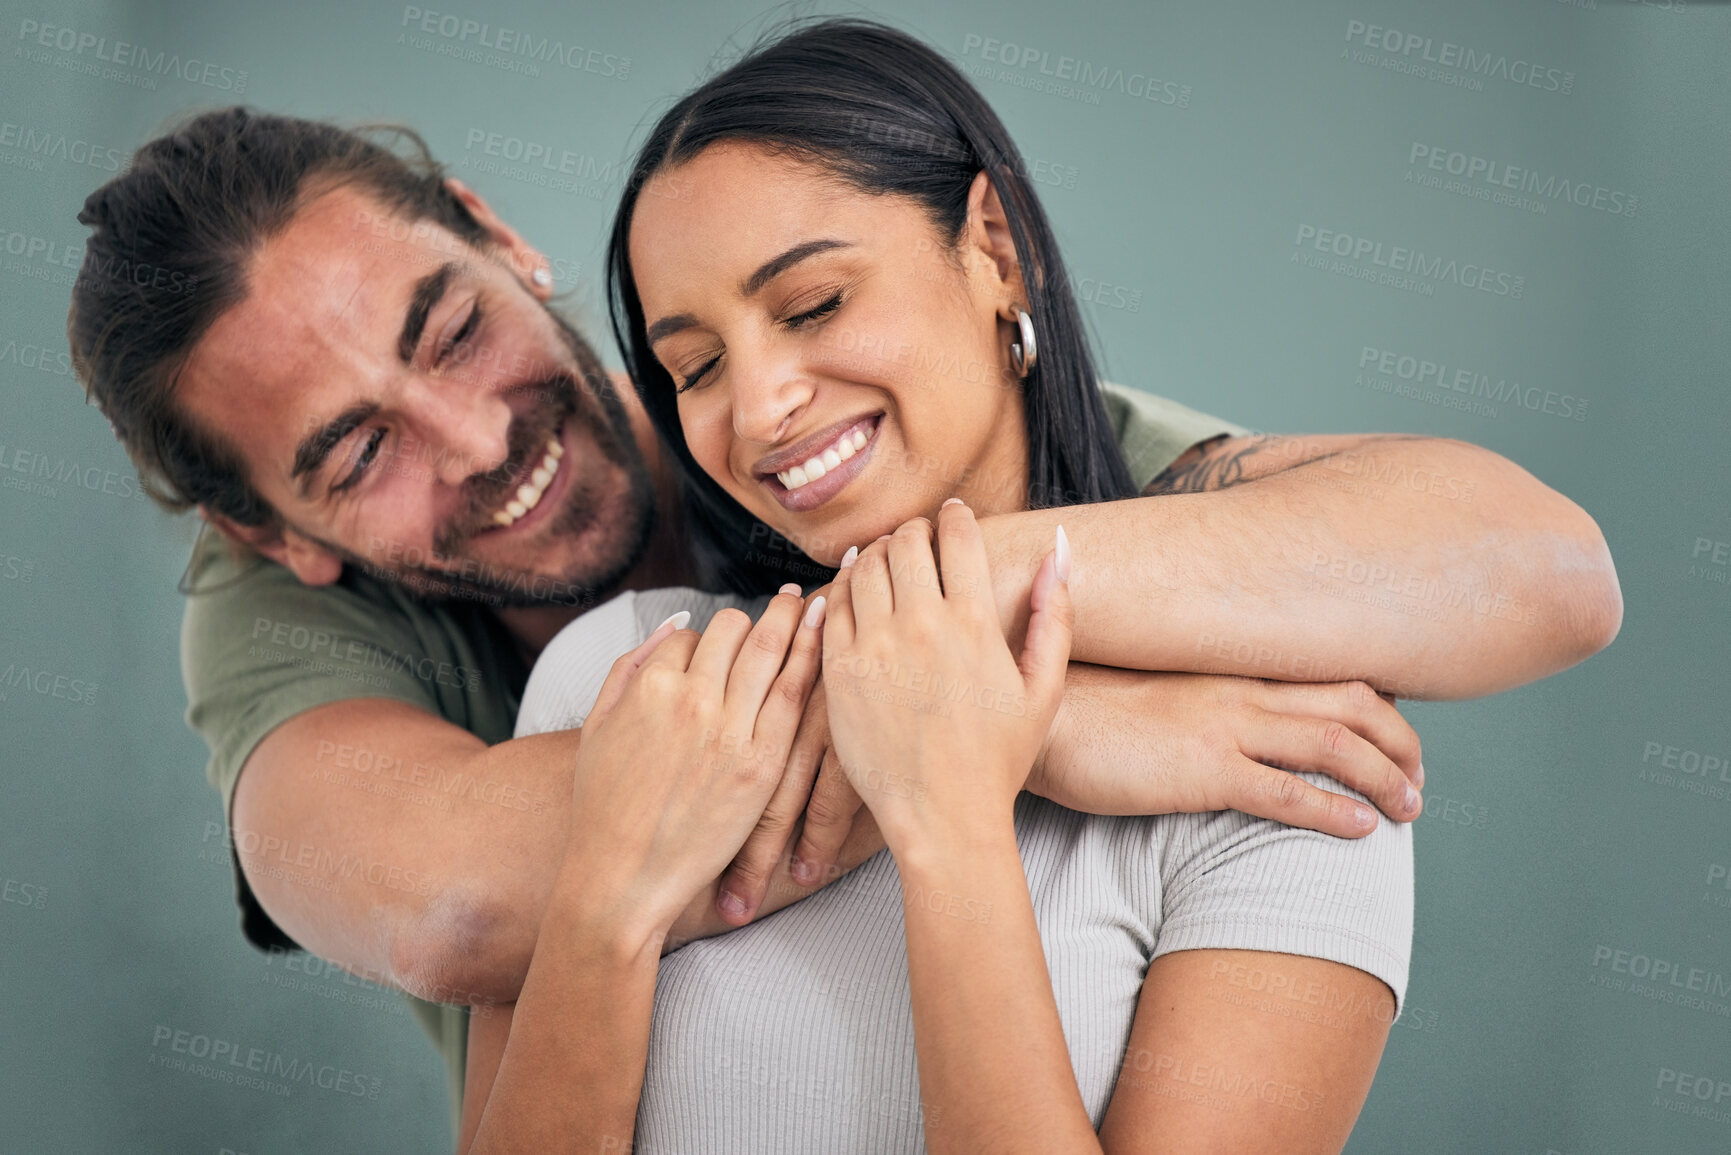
[[444, 904], [1427, 567]]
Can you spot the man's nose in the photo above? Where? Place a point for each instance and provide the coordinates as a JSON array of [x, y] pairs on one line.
[[768, 391], [468, 426]]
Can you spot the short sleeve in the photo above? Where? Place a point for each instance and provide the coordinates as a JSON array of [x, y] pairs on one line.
[[263, 648], [1153, 431], [567, 677], [1234, 882]]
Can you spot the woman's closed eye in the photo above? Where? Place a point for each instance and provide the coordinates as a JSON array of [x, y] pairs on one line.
[[796, 322], [829, 306]]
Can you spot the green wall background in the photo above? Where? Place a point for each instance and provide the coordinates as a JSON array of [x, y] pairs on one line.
[[1555, 835]]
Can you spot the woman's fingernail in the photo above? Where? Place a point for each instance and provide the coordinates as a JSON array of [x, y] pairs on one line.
[[1412, 798], [1062, 549], [814, 612], [790, 588], [847, 558], [953, 501], [678, 620], [803, 872], [1418, 779], [1365, 817], [730, 903]]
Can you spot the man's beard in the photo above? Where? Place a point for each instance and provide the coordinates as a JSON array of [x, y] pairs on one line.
[[458, 577]]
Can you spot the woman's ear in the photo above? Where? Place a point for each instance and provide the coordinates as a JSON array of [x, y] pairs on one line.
[[987, 233], [525, 260]]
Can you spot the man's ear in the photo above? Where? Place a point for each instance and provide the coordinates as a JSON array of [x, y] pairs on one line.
[[525, 260], [988, 234], [309, 561]]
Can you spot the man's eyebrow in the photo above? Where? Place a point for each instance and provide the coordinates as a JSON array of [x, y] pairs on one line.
[[766, 272], [428, 290], [310, 454], [776, 266]]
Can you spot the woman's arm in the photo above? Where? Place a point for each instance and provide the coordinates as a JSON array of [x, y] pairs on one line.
[[686, 741], [1429, 568], [940, 769], [1212, 1067], [565, 1073], [1222, 1073]]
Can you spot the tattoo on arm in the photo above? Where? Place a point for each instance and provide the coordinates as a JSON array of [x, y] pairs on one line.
[[1223, 461]]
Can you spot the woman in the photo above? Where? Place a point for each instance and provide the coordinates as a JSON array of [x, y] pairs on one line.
[[843, 307]]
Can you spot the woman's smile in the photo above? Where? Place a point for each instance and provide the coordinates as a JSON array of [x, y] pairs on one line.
[[816, 468]]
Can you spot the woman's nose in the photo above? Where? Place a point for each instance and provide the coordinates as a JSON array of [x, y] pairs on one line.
[[766, 398]]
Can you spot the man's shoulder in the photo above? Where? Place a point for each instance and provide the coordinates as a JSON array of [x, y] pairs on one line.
[[1153, 430], [236, 596]]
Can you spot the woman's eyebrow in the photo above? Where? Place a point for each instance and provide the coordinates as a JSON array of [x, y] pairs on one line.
[[766, 272], [776, 266]]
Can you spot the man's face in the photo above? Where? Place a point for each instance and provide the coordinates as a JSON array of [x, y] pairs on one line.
[[407, 405]]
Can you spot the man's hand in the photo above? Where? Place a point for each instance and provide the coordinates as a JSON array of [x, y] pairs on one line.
[[1130, 742], [1156, 743]]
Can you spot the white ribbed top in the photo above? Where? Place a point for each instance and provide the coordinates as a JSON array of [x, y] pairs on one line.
[[795, 1034]]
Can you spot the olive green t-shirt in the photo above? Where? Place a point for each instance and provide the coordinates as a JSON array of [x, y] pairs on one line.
[[257, 648]]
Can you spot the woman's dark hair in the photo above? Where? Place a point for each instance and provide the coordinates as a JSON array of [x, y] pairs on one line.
[[884, 113], [170, 238]]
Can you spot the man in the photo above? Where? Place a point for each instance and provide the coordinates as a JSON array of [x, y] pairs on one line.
[[349, 367]]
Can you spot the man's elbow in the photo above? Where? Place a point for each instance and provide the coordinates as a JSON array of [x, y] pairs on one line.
[[1592, 598], [464, 948]]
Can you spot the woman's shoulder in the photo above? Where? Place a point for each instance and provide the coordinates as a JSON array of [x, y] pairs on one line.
[[567, 676]]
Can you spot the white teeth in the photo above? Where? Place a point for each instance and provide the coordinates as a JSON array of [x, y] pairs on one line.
[[830, 459], [528, 494]]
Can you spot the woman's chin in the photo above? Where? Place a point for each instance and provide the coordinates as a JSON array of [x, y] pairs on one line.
[[825, 540]]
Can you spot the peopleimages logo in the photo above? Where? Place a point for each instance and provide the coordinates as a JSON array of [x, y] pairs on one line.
[[1036, 68], [35, 145], [89, 53], [272, 1071], [1513, 184], [1424, 373], [1412, 52], [1386, 261], [512, 46]]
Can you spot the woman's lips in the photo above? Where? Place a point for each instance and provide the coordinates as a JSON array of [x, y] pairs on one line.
[[812, 494]]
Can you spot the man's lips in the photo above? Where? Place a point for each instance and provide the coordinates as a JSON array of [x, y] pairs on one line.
[[529, 504]]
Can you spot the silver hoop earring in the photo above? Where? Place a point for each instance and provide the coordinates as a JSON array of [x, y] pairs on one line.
[[542, 277], [1024, 353]]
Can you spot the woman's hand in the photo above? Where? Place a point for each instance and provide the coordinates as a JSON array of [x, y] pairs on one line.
[[687, 741], [935, 721]]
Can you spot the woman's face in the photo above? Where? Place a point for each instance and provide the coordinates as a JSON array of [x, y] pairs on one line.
[[842, 367]]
